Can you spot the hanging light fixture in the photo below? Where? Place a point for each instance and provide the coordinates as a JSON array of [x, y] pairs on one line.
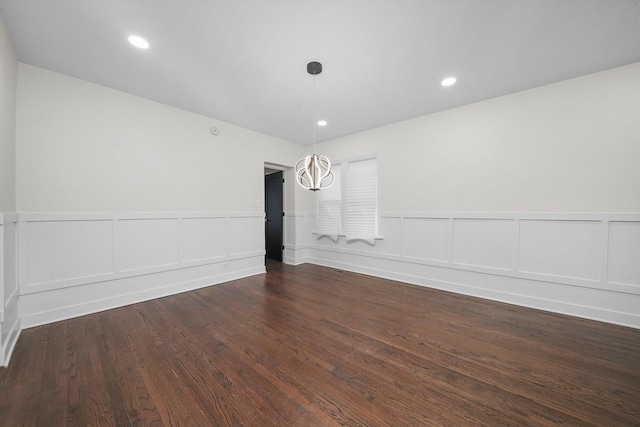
[[314, 172]]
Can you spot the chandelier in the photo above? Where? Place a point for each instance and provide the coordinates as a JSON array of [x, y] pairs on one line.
[[314, 172]]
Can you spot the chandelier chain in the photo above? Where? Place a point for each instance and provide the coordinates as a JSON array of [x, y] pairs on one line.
[[314, 113]]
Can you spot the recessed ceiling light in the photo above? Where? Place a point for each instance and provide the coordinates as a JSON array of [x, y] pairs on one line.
[[138, 42], [322, 123], [448, 81]]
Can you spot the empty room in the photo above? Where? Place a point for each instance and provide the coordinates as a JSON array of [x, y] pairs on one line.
[[319, 213]]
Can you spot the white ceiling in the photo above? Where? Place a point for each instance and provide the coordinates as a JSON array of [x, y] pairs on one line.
[[244, 62]]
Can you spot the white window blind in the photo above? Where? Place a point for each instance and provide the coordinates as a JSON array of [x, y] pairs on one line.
[[329, 208], [350, 206], [361, 213]]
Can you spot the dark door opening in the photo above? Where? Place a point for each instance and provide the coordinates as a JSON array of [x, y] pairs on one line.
[[273, 201]]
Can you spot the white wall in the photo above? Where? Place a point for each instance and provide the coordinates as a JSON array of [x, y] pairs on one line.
[[572, 146], [532, 198], [87, 148], [8, 73]]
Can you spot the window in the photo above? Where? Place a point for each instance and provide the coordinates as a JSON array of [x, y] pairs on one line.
[[329, 207], [350, 206]]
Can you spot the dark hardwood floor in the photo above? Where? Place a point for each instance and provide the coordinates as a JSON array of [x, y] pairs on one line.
[[312, 346]]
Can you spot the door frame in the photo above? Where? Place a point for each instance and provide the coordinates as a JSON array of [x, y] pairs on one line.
[[278, 168]]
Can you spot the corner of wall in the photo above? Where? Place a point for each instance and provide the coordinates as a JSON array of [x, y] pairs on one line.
[[10, 325], [8, 89]]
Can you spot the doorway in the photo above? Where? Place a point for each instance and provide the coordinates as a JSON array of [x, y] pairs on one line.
[[274, 213]]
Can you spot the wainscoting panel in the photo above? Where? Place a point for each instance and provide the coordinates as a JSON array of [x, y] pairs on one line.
[[426, 238], [146, 243], [582, 264], [204, 239], [561, 248], [245, 235], [392, 243], [75, 264], [10, 324], [624, 253], [51, 306], [290, 232], [10, 249], [483, 242], [298, 236], [63, 250]]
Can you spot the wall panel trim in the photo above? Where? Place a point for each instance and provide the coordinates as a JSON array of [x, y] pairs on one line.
[[25, 220], [71, 264], [10, 324], [572, 256]]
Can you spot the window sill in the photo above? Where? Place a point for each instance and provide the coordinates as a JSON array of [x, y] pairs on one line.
[[379, 237]]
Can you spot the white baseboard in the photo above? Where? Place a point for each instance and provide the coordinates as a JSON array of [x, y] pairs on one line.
[[11, 333], [580, 264], [10, 325], [295, 255], [560, 307], [33, 317], [59, 266], [64, 265]]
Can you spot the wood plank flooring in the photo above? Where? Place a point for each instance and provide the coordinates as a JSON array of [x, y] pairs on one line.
[[312, 346]]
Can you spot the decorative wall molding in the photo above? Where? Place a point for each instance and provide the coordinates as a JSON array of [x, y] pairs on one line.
[[297, 237], [10, 325], [79, 263], [583, 264], [60, 304], [55, 266]]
